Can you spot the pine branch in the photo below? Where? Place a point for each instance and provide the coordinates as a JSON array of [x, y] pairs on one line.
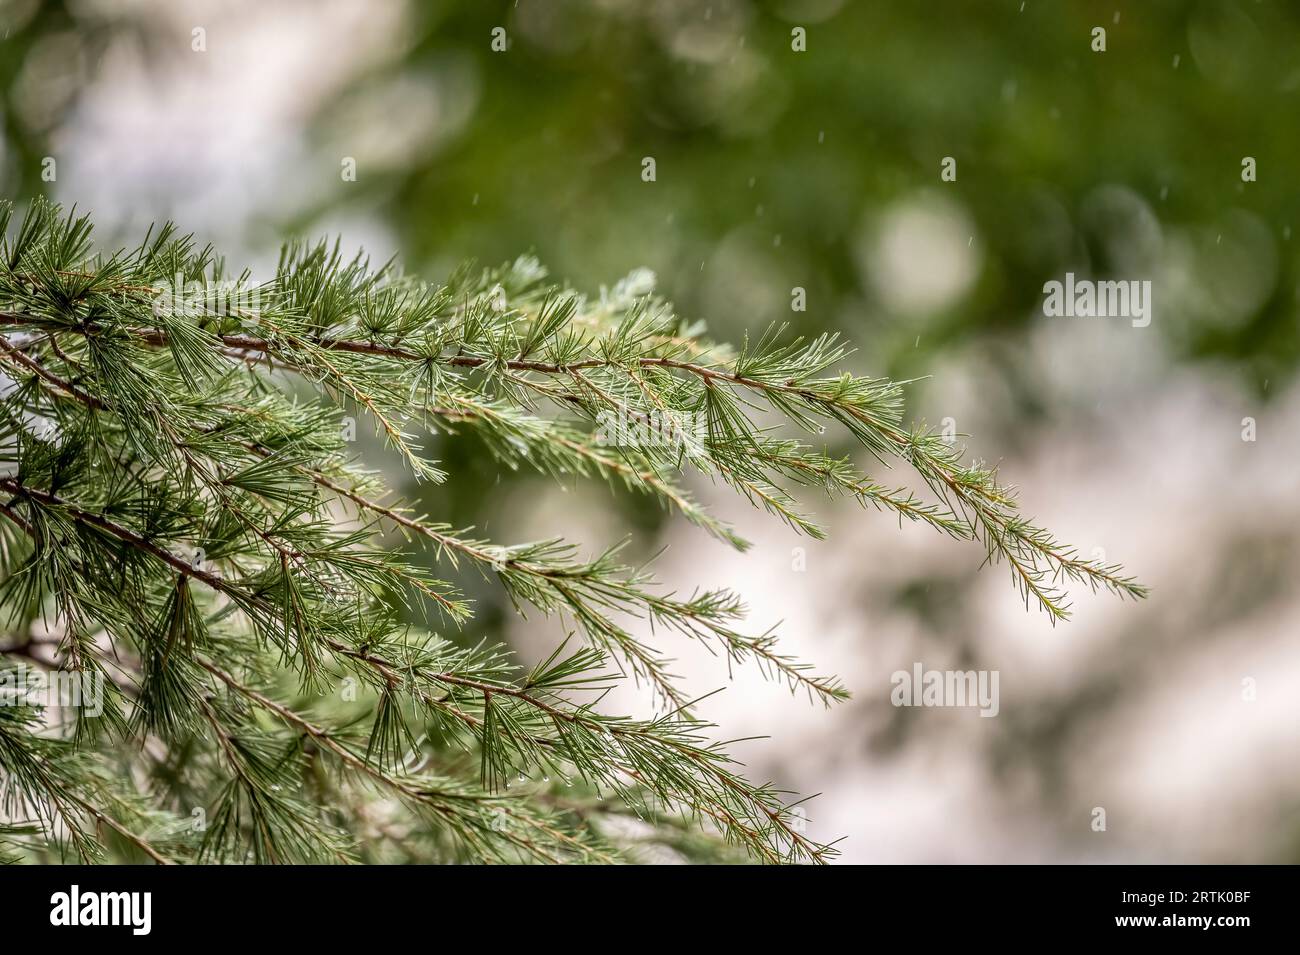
[[200, 533]]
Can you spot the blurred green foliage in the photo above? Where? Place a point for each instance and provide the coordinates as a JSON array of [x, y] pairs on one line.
[[775, 166], [778, 168]]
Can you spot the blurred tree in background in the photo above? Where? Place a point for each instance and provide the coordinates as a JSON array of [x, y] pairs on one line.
[[775, 168]]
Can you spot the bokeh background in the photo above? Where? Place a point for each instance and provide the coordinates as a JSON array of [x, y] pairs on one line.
[[820, 169]]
